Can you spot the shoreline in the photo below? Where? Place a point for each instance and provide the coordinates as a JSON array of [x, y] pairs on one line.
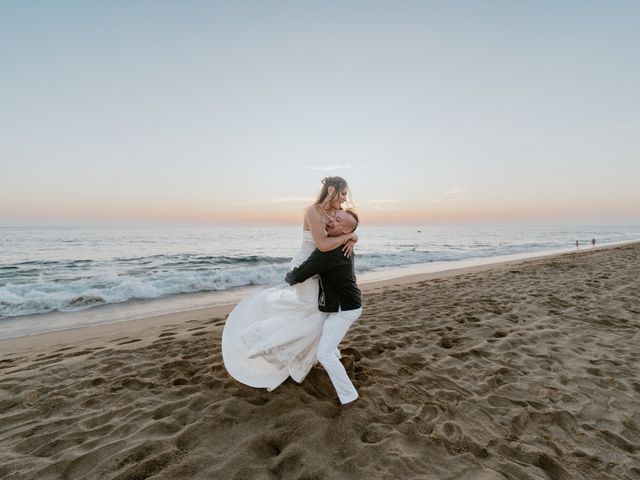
[[141, 325], [137, 309]]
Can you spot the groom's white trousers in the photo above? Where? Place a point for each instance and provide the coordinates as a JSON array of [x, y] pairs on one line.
[[334, 329]]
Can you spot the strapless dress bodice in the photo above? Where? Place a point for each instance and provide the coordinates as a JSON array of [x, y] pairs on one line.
[[306, 249]]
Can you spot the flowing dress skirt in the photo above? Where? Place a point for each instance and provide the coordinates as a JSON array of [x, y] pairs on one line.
[[274, 333]]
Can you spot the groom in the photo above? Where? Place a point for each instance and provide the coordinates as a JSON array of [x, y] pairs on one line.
[[339, 295]]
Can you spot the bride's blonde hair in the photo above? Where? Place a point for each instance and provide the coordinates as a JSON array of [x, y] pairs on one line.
[[338, 184]]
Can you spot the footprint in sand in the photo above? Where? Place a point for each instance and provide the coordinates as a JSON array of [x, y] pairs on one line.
[[447, 342], [376, 432]]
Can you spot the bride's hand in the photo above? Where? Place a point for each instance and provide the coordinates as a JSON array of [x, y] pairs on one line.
[[348, 248]]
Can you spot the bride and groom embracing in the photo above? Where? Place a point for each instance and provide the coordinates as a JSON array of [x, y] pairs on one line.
[[281, 332]]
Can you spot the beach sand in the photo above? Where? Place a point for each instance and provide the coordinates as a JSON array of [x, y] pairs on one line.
[[519, 371]]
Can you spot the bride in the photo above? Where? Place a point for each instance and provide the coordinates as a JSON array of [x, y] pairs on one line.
[[274, 333]]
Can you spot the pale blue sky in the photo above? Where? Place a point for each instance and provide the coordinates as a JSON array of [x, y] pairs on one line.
[[210, 111]]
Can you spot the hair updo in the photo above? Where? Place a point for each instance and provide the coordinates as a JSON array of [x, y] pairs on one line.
[[338, 184]]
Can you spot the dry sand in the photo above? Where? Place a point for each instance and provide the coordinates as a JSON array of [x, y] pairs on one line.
[[520, 371]]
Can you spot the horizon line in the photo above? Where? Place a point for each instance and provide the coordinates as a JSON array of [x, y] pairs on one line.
[[377, 223]]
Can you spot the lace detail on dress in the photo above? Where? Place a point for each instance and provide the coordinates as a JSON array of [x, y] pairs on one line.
[[296, 358]]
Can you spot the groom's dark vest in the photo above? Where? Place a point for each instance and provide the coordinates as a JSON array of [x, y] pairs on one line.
[[338, 287]]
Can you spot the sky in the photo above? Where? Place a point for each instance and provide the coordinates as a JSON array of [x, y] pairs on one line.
[[232, 112]]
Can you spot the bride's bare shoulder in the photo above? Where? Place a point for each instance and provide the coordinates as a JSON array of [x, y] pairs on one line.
[[312, 219], [311, 211]]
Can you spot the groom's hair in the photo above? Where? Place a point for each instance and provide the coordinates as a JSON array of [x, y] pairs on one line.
[[355, 218]]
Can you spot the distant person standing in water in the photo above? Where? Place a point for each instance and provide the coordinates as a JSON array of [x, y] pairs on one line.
[[593, 242], [577, 244]]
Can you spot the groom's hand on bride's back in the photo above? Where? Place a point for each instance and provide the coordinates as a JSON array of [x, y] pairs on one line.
[[289, 278]]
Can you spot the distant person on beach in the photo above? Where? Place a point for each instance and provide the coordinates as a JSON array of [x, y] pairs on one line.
[[593, 242], [577, 244], [274, 333], [339, 296]]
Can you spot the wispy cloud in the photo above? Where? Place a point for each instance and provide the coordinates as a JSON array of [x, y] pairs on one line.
[[292, 200], [455, 193], [385, 209], [387, 201], [274, 200], [330, 167]]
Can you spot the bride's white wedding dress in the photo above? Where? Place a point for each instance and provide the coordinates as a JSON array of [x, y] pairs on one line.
[[274, 333]]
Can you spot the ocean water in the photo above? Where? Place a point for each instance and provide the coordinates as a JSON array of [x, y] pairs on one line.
[[74, 268]]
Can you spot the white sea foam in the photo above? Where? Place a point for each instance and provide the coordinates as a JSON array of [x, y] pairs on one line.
[[46, 296]]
